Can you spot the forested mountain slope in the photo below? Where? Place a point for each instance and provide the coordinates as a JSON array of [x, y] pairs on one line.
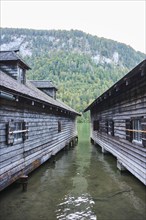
[[82, 66]]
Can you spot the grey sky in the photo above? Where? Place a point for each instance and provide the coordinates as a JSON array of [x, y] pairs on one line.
[[123, 21]]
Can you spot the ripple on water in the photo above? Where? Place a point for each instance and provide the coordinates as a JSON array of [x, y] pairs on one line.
[[76, 208]]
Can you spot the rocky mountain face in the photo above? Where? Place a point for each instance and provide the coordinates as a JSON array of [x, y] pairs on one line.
[[101, 50]]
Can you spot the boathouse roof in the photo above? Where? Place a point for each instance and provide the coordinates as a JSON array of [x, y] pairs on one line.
[[7, 56], [43, 84], [123, 84], [8, 84]]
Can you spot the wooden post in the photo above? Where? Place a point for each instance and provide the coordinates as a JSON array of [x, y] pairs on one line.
[[92, 141], [73, 142], [53, 159], [70, 144], [24, 182], [120, 166], [66, 147], [104, 151]]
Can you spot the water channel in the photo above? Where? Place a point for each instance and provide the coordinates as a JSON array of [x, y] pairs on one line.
[[83, 184]]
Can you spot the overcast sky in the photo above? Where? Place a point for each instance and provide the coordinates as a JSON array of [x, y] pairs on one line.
[[123, 21]]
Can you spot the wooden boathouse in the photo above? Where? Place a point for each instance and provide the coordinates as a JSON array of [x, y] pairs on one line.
[[118, 121], [34, 125]]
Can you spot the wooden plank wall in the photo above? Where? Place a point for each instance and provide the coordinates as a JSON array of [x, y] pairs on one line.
[[11, 69], [131, 155], [43, 141]]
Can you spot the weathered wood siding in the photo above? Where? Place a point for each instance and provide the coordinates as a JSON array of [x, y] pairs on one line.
[[11, 69], [43, 140], [128, 103]]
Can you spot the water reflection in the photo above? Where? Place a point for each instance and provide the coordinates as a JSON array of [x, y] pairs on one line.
[[78, 204], [116, 195], [83, 184]]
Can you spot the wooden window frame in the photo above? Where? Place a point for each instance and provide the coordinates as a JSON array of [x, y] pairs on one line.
[[133, 133], [59, 126], [137, 127], [143, 123], [110, 129], [14, 134], [18, 131]]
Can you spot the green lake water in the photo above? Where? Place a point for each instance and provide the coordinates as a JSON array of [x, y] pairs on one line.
[[83, 184]]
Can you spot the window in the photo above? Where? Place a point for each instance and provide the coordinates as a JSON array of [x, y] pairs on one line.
[[110, 129], [143, 124], [96, 125], [59, 126], [16, 132], [137, 128]]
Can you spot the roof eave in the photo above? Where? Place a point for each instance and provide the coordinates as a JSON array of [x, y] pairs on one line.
[[127, 76], [15, 93]]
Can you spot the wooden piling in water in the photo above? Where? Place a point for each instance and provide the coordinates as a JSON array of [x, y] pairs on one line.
[[24, 182]]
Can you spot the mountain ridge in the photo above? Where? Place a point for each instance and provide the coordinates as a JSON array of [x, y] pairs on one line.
[[81, 65], [73, 40]]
